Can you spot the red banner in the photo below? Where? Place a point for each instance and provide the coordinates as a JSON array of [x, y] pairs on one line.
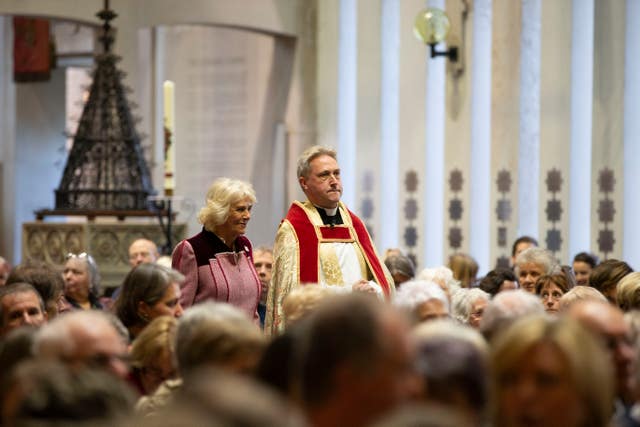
[[31, 49]]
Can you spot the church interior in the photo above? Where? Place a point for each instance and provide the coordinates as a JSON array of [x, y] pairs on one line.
[[532, 130]]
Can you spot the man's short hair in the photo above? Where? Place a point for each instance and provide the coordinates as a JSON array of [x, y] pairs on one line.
[[343, 330], [56, 394], [587, 258], [505, 308], [522, 239], [494, 279], [44, 277], [18, 288], [305, 159], [263, 248], [56, 340]]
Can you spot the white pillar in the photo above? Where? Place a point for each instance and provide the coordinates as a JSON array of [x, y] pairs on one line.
[[480, 173], [631, 227], [347, 97], [529, 149], [581, 127], [389, 164], [433, 212]]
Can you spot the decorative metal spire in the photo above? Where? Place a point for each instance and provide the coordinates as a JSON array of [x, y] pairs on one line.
[[106, 169]]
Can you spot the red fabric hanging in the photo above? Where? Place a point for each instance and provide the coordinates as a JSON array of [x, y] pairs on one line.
[[31, 49]]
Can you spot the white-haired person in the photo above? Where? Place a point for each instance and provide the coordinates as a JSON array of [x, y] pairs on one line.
[[468, 305], [218, 262], [533, 263], [82, 282], [443, 276], [422, 300], [507, 307]]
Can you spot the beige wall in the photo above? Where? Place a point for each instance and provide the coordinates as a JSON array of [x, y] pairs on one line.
[[286, 20]]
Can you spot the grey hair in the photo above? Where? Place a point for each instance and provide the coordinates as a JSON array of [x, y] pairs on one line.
[[415, 292], [449, 328], [56, 339], [440, 274], [305, 159], [462, 302], [92, 269], [399, 263], [536, 255], [505, 308]]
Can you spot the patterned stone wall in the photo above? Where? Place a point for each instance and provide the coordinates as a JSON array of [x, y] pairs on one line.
[[107, 243]]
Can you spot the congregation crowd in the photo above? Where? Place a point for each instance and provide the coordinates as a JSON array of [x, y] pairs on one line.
[[318, 330]]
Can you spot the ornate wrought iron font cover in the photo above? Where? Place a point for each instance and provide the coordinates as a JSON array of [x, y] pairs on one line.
[[106, 169]]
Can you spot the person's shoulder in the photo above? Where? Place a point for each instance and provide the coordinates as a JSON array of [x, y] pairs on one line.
[[195, 239], [245, 243], [347, 212]]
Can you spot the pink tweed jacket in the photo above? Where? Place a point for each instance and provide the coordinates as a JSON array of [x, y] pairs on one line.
[[213, 271]]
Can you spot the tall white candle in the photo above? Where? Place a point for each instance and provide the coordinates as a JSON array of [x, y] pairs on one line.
[[169, 138]]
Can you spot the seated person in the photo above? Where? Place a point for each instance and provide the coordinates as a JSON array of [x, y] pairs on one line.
[[20, 305], [148, 291], [82, 282], [48, 282]]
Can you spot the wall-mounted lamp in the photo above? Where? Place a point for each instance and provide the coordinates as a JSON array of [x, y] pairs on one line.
[[432, 27]]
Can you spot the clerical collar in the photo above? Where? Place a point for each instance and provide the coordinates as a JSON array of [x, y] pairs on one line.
[[329, 212], [330, 216]]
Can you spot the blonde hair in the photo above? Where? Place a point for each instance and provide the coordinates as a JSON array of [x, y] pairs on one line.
[[586, 360], [628, 292], [580, 293], [222, 193], [305, 159], [156, 338], [302, 300], [216, 333]]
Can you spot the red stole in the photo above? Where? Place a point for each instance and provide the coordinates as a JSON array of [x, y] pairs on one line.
[[310, 236]]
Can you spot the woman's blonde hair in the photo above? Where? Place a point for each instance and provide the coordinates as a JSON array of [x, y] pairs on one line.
[[587, 361], [155, 339], [222, 193], [303, 300], [628, 292]]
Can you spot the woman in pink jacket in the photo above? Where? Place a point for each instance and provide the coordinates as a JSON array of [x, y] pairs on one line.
[[218, 262]]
